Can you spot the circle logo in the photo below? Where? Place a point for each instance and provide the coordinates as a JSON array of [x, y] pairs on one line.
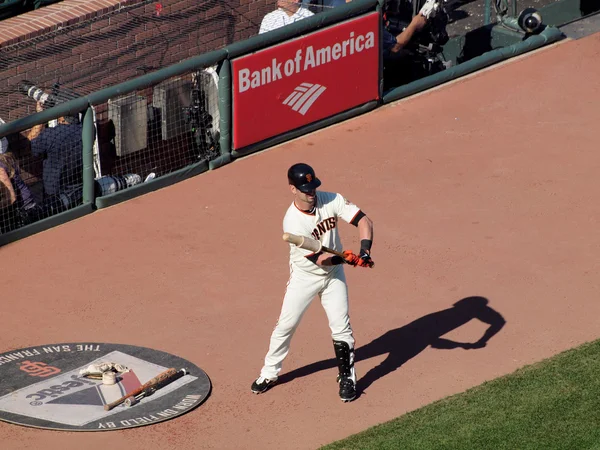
[[97, 386]]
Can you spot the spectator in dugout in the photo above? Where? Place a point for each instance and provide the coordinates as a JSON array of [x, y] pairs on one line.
[[288, 11], [61, 147], [16, 201]]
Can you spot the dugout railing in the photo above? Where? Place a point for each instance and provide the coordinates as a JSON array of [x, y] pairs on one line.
[[155, 137]]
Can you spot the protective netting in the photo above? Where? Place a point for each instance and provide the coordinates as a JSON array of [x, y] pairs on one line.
[[157, 130], [140, 136], [40, 173]]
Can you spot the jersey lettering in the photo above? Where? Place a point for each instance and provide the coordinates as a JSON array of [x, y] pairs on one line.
[[323, 227]]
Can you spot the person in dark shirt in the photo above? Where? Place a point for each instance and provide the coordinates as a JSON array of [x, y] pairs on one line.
[[61, 146]]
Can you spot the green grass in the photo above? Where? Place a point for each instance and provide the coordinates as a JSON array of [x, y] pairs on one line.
[[553, 404]]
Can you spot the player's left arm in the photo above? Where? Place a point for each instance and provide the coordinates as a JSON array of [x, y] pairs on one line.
[[365, 233]]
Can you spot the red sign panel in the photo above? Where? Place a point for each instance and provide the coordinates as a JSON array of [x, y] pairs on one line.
[[304, 80]]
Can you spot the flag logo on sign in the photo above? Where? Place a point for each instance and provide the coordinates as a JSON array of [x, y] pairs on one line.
[[303, 96]]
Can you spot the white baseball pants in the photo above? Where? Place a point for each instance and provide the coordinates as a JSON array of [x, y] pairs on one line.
[[301, 290]]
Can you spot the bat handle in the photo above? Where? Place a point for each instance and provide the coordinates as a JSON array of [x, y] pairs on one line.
[[110, 406]]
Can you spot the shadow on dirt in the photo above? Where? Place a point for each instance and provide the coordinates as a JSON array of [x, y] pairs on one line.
[[404, 343]]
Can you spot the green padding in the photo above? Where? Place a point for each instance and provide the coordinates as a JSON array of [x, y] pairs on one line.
[[225, 109], [487, 12], [158, 183], [43, 225], [220, 161], [88, 135], [305, 129], [304, 26], [549, 35]]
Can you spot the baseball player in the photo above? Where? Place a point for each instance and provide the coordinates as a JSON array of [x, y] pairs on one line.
[[315, 214]]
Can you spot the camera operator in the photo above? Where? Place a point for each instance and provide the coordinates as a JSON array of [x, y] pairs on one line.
[[394, 44], [61, 146], [403, 61]]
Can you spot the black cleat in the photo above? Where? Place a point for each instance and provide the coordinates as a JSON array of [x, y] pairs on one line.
[[347, 389], [261, 385]]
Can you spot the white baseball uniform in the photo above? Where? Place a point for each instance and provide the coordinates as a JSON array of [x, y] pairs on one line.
[[308, 279]]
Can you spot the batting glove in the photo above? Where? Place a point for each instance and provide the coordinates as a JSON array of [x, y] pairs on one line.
[[351, 258], [364, 260]]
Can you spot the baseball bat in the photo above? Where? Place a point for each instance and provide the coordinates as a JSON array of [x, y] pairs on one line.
[[155, 383], [309, 244]]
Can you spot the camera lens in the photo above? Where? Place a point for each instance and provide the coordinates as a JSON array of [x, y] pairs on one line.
[[23, 87], [31, 90], [530, 20], [531, 23]]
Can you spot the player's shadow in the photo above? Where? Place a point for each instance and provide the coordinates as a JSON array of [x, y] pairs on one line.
[[404, 343]]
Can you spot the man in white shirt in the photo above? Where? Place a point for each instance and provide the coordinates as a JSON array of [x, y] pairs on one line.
[[289, 11]]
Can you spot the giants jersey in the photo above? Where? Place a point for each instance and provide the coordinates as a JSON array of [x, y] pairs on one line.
[[321, 225]]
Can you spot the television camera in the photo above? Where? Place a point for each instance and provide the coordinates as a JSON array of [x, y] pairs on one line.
[[198, 118]]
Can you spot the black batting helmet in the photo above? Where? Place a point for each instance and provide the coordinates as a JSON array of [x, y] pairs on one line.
[[303, 177]]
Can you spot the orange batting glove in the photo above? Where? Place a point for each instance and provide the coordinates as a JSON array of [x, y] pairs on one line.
[[351, 258], [364, 260]]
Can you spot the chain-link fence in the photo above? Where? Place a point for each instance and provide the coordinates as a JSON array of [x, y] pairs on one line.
[[140, 136]]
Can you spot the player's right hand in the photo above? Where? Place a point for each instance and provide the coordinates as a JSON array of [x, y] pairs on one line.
[[364, 260], [351, 258]]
